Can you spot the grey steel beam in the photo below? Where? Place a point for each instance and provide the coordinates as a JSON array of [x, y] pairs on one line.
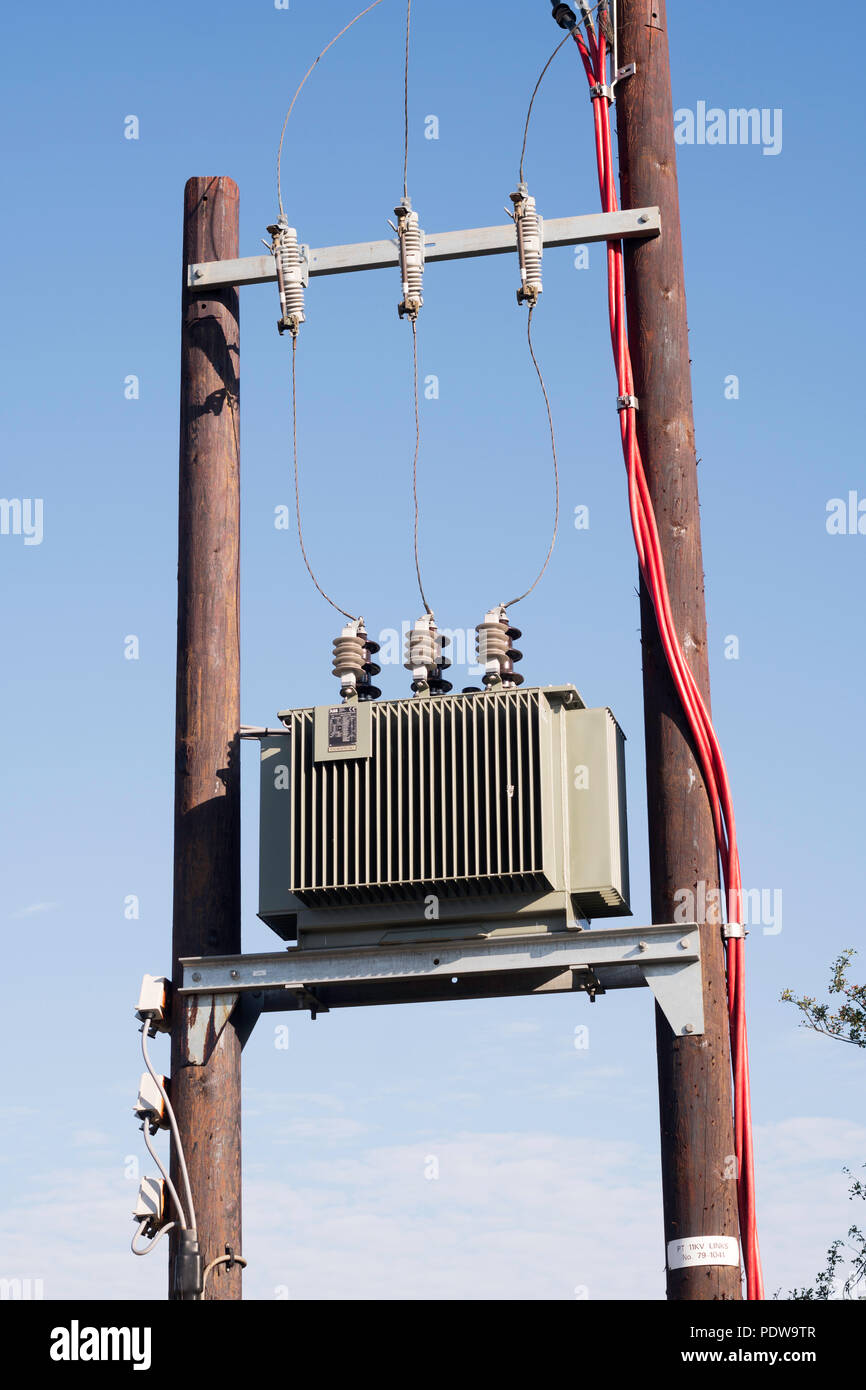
[[666, 957], [439, 246]]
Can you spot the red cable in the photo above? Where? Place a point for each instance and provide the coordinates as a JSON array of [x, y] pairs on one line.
[[709, 751]]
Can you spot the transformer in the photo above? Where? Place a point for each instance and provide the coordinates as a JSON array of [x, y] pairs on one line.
[[441, 818]]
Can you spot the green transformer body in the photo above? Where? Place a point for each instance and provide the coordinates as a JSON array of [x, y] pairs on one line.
[[443, 817]]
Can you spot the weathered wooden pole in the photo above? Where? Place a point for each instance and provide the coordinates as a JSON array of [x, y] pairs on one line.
[[206, 1059], [698, 1172]]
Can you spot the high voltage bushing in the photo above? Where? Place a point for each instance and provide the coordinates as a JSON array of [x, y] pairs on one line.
[[353, 663], [530, 247], [495, 650], [425, 659], [411, 243], [292, 275]]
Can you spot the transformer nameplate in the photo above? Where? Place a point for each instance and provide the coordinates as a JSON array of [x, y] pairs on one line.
[[343, 732], [342, 727]]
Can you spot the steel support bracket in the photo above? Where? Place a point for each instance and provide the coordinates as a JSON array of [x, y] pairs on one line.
[[207, 1015], [678, 991], [667, 958], [246, 1014]]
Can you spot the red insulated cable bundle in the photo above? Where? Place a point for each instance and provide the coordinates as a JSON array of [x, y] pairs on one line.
[[593, 51]]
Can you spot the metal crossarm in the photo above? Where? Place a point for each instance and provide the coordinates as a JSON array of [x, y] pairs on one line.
[[441, 246], [667, 958]]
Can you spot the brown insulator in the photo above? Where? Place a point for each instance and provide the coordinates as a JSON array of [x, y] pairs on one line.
[[425, 659], [495, 649], [353, 665]]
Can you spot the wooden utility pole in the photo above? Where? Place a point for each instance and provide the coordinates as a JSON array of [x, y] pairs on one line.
[[205, 1057], [698, 1172]]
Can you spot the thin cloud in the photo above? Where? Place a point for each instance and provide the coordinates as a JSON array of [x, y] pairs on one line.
[[509, 1216]]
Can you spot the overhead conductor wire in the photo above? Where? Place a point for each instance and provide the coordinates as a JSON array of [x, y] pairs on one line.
[[527, 592], [594, 52], [427, 607], [414, 321], [316, 60], [351, 616]]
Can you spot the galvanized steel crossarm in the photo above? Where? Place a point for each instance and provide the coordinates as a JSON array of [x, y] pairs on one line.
[[439, 246], [580, 950]]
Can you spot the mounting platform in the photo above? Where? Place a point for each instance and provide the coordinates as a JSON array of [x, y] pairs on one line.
[[667, 958]]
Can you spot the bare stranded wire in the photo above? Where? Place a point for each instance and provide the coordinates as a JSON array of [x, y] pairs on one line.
[[427, 607], [587, 20], [414, 322], [527, 592], [306, 559], [535, 363], [406, 104], [346, 614], [315, 61], [351, 616], [587, 12], [416, 404]]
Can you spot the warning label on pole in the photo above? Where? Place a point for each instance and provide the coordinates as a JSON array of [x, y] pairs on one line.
[[703, 1250]]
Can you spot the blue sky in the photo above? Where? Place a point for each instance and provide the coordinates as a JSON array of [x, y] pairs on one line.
[[548, 1155]]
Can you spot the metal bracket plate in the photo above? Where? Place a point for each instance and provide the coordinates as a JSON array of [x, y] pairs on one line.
[[208, 1014], [667, 958], [441, 246]]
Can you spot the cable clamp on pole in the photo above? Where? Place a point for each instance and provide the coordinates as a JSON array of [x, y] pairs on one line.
[[627, 403], [622, 73], [601, 89], [734, 929]]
